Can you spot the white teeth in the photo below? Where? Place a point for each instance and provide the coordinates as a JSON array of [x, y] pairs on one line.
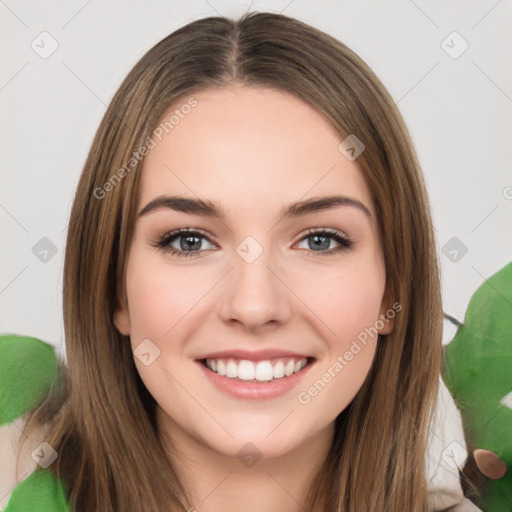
[[231, 369], [289, 368], [279, 370], [246, 370], [264, 371], [221, 367], [261, 371]]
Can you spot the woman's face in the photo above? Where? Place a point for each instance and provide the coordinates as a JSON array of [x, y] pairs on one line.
[[254, 279]]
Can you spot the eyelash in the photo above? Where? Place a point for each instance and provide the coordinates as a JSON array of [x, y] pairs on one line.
[[163, 244]]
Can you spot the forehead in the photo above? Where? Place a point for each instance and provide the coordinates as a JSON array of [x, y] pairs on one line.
[[248, 147]]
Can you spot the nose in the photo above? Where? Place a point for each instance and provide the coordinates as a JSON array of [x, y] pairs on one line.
[[255, 295]]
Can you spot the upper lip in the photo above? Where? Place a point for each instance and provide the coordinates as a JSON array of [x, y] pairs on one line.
[[252, 355]]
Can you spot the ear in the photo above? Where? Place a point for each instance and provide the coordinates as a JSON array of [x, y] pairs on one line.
[[122, 317], [387, 313]]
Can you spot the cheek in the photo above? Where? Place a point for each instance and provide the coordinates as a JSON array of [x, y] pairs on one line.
[[161, 300], [161, 296], [348, 305], [346, 299]]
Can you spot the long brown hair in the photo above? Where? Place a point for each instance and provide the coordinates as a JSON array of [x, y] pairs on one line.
[[101, 419]]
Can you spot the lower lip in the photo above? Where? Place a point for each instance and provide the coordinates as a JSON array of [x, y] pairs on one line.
[[255, 390]]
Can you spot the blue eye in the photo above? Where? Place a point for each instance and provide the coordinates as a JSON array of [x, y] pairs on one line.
[[321, 239], [191, 240]]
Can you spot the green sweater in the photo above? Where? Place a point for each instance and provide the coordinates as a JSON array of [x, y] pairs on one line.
[[28, 367]]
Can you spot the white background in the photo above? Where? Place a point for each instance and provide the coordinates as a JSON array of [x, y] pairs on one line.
[[458, 110]]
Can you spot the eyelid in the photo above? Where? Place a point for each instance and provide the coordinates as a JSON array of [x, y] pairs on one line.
[[174, 233], [330, 231]]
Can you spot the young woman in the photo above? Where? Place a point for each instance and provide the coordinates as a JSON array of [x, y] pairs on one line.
[[251, 289]]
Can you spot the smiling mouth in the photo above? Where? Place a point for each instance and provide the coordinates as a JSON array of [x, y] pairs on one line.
[[257, 371]]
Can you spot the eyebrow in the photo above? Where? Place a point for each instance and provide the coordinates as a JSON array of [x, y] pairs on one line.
[[209, 209]]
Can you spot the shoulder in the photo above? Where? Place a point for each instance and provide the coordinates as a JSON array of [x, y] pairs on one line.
[[467, 506], [16, 466], [40, 490], [28, 367], [446, 455]]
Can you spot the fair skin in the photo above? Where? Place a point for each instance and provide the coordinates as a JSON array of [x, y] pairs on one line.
[[252, 151]]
